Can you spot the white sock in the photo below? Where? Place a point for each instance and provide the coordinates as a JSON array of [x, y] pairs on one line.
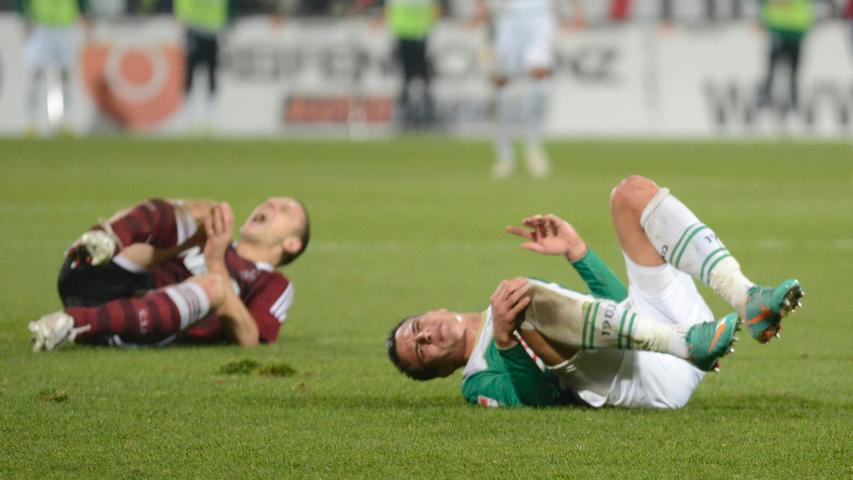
[[35, 90], [534, 108], [504, 131], [692, 247], [190, 300]]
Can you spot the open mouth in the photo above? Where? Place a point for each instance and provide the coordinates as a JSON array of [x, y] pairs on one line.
[[259, 218]]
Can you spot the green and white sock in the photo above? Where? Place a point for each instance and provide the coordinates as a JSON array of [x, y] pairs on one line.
[[692, 247]]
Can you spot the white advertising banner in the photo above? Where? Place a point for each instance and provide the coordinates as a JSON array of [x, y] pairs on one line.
[[328, 77]]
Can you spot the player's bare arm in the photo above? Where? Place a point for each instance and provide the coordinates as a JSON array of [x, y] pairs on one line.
[[508, 301], [550, 235], [233, 314]]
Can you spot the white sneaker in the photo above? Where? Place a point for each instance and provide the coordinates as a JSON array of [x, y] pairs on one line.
[[501, 170], [51, 331], [537, 162], [93, 248]]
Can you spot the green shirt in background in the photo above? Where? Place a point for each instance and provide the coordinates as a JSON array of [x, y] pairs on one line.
[[52, 13], [411, 19], [790, 19], [209, 16]]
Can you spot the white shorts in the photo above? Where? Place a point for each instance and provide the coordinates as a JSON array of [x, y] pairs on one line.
[[51, 47], [657, 380], [522, 44]]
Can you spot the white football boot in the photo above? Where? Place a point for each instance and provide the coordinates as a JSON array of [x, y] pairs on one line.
[[94, 247], [51, 331], [537, 162]]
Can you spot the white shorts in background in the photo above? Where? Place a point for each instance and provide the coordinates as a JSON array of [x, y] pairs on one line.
[[657, 380], [51, 47], [522, 44]]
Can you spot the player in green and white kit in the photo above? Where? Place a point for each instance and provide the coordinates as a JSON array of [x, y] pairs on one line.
[[648, 350]]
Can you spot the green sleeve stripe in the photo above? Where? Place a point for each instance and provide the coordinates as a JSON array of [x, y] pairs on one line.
[[707, 259], [713, 265], [631, 332], [687, 242], [592, 326], [588, 308], [621, 328], [678, 244]]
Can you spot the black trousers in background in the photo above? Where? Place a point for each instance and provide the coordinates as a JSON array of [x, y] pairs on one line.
[[201, 49], [782, 51], [412, 55]]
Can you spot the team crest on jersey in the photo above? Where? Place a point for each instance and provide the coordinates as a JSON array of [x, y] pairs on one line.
[[487, 402]]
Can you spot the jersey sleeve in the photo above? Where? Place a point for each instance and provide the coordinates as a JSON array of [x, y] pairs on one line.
[[522, 383], [599, 277], [269, 307]]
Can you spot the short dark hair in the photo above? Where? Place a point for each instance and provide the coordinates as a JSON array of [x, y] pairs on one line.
[[420, 374], [304, 236]]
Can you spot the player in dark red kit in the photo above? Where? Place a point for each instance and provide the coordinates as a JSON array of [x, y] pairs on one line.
[[167, 270]]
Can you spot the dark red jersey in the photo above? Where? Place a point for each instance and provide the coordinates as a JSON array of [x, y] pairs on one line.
[[266, 293]]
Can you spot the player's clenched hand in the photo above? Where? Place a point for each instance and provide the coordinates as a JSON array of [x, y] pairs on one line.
[[508, 301], [219, 227], [550, 235]]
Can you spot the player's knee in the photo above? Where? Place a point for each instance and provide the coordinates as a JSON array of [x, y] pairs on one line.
[[540, 73], [214, 286], [632, 193]]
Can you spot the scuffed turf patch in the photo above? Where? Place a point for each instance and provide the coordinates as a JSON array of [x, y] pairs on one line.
[[53, 395], [252, 367]]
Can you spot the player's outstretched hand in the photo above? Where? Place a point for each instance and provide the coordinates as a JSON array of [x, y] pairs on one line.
[[219, 227], [550, 235], [508, 301]]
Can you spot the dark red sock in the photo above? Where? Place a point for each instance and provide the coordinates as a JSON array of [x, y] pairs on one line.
[[154, 316]]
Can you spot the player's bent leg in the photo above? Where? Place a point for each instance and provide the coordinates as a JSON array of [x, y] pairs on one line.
[[150, 318], [570, 321], [689, 245], [627, 202]]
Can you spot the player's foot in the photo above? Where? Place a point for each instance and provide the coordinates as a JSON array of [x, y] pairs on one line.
[[31, 131], [766, 307], [707, 342], [92, 248], [51, 331], [501, 169], [537, 162]]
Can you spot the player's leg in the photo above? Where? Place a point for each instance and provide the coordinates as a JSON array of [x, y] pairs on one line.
[[794, 47], [162, 224], [538, 61], [506, 59], [211, 59], [192, 59], [35, 56], [569, 321], [149, 318], [765, 93], [66, 52], [650, 223]]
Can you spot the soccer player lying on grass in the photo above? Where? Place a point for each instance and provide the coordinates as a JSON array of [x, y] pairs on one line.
[[167, 271], [539, 344]]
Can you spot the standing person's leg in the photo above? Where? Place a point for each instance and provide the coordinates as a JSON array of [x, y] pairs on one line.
[[506, 58], [794, 47], [538, 61], [191, 61], [34, 65], [765, 93], [211, 59], [424, 72], [655, 227], [66, 49], [405, 56]]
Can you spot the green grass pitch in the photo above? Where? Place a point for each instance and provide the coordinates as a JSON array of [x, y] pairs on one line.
[[400, 227]]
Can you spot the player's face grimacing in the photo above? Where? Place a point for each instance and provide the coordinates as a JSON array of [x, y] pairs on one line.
[[274, 221], [434, 340]]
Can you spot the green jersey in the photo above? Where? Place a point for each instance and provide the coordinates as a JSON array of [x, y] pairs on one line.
[[515, 377]]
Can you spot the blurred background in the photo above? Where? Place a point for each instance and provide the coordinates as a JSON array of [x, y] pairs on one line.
[[296, 68]]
